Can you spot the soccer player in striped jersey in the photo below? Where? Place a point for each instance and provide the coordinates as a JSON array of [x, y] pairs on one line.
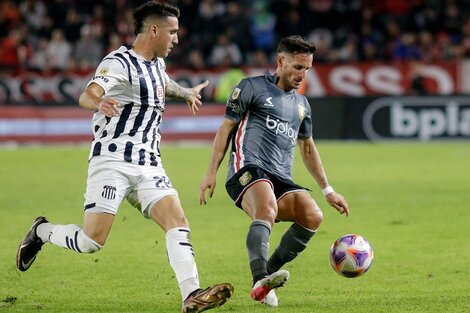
[[265, 118], [127, 94]]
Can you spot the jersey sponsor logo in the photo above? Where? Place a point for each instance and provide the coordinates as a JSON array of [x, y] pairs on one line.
[[301, 112], [235, 107], [102, 78], [280, 127], [268, 102], [235, 93], [245, 178], [143, 76], [109, 192]]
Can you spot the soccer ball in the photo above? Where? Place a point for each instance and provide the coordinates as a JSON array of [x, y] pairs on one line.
[[351, 255]]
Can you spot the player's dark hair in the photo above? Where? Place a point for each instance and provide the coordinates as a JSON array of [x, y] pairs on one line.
[[153, 9], [296, 44]]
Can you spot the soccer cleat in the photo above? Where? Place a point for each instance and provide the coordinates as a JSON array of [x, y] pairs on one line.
[[30, 246], [205, 299], [271, 299], [263, 286]]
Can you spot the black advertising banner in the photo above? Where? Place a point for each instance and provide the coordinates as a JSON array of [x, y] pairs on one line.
[[391, 118]]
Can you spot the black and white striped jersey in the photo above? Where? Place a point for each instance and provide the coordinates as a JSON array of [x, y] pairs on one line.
[[139, 86]]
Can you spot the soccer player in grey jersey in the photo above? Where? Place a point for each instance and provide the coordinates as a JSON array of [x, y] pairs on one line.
[[127, 94], [265, 118]]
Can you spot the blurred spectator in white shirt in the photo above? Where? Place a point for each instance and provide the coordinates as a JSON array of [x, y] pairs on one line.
[[34, 12], [59, 51]]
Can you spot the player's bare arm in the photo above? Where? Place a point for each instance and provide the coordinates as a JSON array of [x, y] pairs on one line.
[[219, 148], [312, 161], [192, 96], [92, 99]]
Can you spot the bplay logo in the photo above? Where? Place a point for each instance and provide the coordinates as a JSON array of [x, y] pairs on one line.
[[423, 118], [280, 127]]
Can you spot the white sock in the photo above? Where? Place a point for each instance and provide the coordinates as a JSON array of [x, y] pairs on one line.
[[181, 257], [72, 237], [44, 230]]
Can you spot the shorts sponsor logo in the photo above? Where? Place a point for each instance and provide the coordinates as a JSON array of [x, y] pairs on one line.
[[422, 118], [109, 192], [282, 128], [245, 178]]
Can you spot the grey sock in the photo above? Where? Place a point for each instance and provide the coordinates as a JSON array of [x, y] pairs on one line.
[[293, 242], [257, 244]]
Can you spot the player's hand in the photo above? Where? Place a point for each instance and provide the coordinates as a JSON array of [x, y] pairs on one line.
[[195, 98], [207, 183], [337, 201], [108, 106]]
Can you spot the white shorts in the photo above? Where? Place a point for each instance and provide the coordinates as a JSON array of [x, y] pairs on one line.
[[109, 182]]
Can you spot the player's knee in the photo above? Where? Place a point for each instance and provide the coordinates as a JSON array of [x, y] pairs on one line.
[[317, 217], [86, 244], [313, 218], [267, 213]]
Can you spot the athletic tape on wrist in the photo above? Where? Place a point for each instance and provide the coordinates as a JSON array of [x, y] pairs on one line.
[[327, 190]]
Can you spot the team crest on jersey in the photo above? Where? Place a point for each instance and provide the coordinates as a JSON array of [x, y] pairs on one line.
[[160, 93], [235, 93], [103, 71], [245, 178], [301, 112]]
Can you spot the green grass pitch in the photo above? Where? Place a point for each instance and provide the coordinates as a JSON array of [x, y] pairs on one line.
[[410, 200]]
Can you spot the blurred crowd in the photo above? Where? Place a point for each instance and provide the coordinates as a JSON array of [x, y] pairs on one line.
[[74, 35]]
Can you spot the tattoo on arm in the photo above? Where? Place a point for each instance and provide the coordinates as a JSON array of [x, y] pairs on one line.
[[173, 90]]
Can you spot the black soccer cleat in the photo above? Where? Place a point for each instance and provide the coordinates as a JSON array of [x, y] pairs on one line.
[[205, 299], [30, 246]]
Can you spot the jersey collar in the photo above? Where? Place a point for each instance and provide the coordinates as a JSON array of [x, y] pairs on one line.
[[138, 56], [271, 77]]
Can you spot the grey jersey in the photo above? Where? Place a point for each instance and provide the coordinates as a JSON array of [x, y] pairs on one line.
[[269, 122]]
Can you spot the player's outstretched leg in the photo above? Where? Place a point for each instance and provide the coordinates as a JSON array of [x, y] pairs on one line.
[[30, 246], [204, 299], [264, 286]]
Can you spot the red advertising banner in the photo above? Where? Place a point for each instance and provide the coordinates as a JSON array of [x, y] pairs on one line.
[[374, 79], [351, 79]]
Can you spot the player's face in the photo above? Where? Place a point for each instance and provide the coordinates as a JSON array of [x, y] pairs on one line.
[[166, 36], [291, 69]]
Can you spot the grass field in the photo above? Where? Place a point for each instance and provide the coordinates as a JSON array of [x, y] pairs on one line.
[[412, 201]]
